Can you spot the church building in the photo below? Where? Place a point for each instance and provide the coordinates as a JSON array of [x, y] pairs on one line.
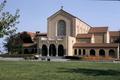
[[67, 35]]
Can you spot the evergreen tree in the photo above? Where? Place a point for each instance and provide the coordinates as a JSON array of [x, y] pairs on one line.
[[13, 44]]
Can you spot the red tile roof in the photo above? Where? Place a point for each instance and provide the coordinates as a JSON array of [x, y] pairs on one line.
[[98, 29], [84, 36], [114, 33], [29, 44], [42, 34], [32, 34], [95, 45]]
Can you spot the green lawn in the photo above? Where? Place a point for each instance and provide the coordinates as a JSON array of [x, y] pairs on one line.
[[34, 70]]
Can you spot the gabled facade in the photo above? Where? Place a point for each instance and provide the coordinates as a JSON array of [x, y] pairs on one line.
[[67, 35]]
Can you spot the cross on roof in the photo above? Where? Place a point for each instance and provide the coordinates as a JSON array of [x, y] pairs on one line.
[[61, 7]]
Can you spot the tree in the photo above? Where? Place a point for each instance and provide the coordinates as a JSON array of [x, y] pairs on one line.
[[13, 44], [7, 21], [26, 38]]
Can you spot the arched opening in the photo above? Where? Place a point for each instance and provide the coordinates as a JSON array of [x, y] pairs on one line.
[[92, 52], [75, 51], [26, 51], [79, 51], [60, 50], [44, 50], [52, 50], [61, 28], [84, 52], [112, 53], [101, 52]]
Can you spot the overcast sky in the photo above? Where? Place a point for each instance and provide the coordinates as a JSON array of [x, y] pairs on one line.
[[34, 13]]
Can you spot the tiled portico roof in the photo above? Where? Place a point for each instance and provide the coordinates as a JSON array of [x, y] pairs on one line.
[[29, 45], [42, 34], [114, 33], [84, 36], [95, 45], [32, 34], [98, 29]]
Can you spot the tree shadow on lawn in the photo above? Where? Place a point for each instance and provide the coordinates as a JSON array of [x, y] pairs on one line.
[[91, 72]]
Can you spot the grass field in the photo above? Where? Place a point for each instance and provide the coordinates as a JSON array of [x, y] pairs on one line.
[[34, 70]]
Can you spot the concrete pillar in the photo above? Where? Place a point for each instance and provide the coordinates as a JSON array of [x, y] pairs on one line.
[[48, 51], [81, 52], [87, 52], [108, 37], [97, 52], [118, 52], [39, 51], [57, 51], [78, 51], [107, 53]]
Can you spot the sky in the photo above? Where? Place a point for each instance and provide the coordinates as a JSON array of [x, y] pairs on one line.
[[34, 13]]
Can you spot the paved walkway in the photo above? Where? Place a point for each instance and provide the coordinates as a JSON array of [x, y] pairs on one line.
[[11, 59], [53, 59]]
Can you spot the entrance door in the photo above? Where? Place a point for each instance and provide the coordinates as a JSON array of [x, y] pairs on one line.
[[44, 50], [60, 50], [52, 50]]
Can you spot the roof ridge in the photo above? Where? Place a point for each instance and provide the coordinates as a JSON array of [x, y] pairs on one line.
[[70, 15], [100, 27]]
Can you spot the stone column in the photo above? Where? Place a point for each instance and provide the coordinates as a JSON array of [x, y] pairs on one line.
[[118, 52], [56, 48], [57, 51], [48, 51], [107, 53], [40, 51], [97, 52], [81, 52], [48, 47], [77, 51], [88, 52]]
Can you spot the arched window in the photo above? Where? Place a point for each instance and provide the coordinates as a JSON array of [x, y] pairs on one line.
[[61, 28]]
